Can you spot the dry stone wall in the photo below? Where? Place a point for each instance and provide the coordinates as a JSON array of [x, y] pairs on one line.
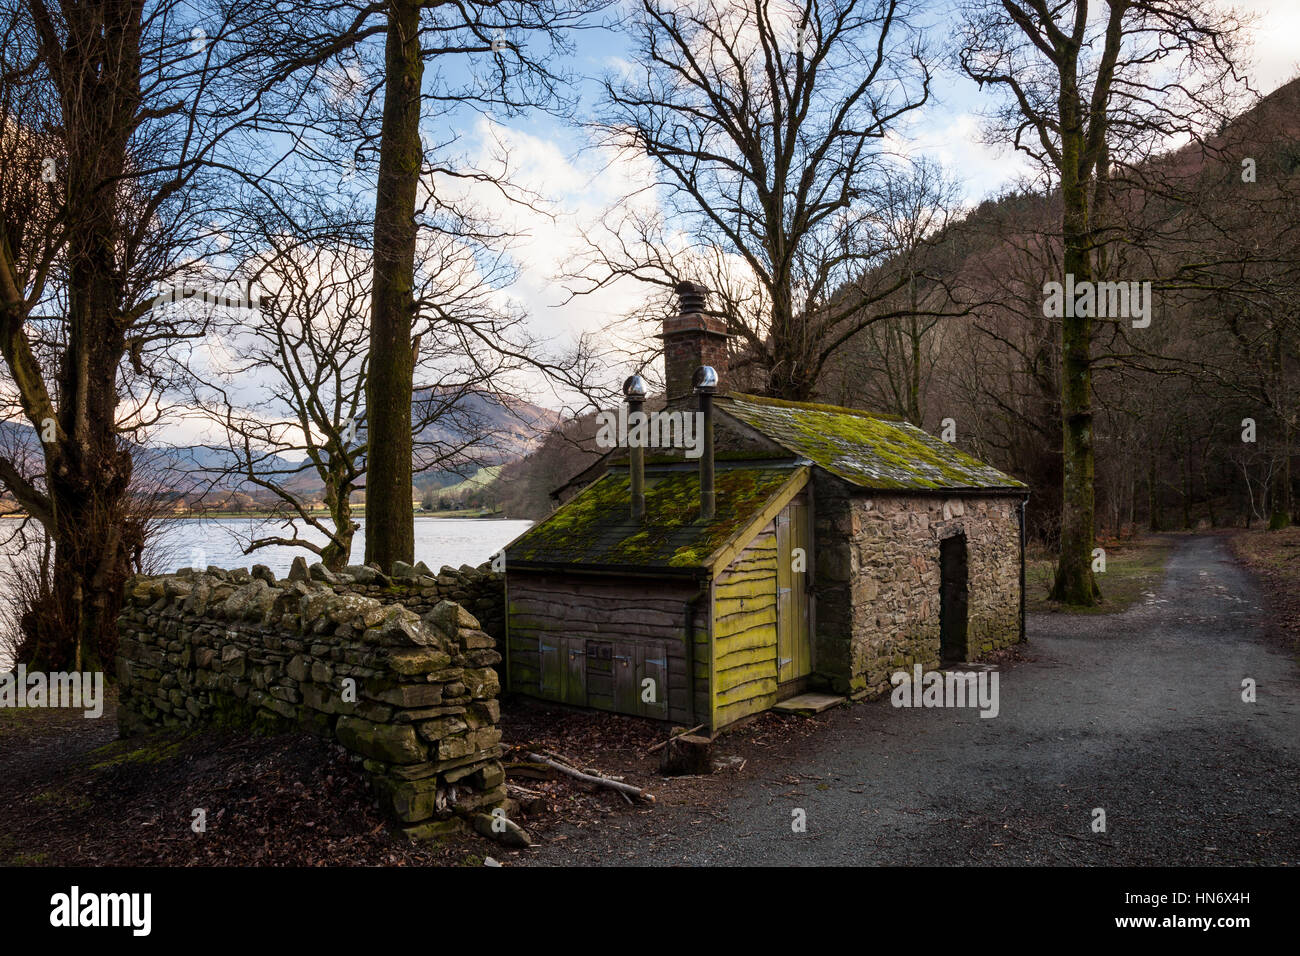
[[878, 601], [413, 696], [481, 591]]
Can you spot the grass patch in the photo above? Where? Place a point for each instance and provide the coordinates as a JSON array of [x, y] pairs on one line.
[[20, 719], [29, 722], [28, 859], [1272, 551], [12, 855], [148, 750], [1133, 568], [62, 800]]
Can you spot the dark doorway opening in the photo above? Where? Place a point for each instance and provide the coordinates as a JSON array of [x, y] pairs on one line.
[[952, 598]]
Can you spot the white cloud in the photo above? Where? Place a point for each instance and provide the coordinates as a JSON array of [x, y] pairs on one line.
[[1273, 59], [957, 143], [575, 192]]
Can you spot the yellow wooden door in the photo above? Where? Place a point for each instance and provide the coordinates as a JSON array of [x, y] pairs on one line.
[[793, 644]]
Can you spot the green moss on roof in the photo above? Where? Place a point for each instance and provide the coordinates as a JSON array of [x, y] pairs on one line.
[[870, 451], [595, 526], [809, 406]]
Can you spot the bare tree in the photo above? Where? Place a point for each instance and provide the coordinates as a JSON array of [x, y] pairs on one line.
[[108, 133], [887, 365], [1092, 86], [289, 387], [765, 129], [490, 56]]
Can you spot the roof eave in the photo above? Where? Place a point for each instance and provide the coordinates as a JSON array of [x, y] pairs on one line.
[[609, 570], [1000, 491]]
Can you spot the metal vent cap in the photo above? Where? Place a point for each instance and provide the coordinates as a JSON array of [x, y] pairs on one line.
[[634, 387], [705, 378]]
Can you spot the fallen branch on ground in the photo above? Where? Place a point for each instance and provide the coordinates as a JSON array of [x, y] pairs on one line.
[[562, 758], [625, 788], [665, 743], [515, 788]]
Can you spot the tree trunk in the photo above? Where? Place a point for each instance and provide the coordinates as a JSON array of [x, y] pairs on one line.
[[338, 551], [1132, 502], [1279, 495], [87, 471], [914, 379], [92, 535], [1153, 500], [1209, 496], [1075, 583], [785, 378], [91, 527], [390, 512]]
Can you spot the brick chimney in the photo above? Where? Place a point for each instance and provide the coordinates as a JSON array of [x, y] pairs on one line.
[[692, 338]]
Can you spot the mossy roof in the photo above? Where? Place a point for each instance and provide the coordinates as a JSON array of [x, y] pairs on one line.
[[870, 451], [595, 527]]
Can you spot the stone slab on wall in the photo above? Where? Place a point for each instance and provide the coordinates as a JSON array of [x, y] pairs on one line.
[[480, 590], [877, 577], [413, 696]]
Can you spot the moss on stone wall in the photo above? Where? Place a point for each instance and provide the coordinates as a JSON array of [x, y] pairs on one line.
[[878, 600]]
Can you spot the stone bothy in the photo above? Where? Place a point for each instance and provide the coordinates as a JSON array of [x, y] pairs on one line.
[[844, 546], [412, 696]]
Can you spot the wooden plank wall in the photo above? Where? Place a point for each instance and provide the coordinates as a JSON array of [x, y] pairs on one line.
[[598, 624], [745, 631]]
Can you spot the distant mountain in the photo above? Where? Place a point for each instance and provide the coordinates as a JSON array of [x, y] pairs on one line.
[[480, 429], [501, 429]]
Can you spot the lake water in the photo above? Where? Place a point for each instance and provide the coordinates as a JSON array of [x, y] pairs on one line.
[[192, 542], [189, 542]]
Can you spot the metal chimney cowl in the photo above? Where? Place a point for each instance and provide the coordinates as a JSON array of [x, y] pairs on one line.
[[705, 383], [634, 391]]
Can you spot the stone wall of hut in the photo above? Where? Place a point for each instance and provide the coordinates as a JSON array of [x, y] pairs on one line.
[[877, 581]]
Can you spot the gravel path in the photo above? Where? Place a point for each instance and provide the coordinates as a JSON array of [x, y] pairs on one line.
[[1139, 714]]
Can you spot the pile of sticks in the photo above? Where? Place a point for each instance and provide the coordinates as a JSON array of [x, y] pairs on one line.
[[542, 763]]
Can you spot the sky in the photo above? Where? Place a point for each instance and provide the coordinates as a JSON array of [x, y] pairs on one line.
[[553, 157]]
